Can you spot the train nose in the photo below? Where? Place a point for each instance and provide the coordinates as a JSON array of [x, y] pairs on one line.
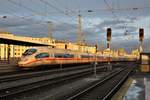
[[22, 62]]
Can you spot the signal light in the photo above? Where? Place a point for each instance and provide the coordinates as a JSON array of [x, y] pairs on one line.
[[108, 34], [108, 45], [96, 47], [141, 34], [65, 46]]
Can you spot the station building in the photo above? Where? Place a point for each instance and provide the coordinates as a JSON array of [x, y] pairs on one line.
[[17, 50]]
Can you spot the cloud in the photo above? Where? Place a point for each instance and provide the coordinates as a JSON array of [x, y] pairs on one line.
[[16, 21], [111, 23], [123, 27], [64, 26], [59, 30], [68, 31]]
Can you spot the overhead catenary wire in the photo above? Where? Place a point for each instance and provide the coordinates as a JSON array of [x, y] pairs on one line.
[[19, 17], [111, 9], [70, 11], [19, 4], [60, 11], [35, 13], [64, 12], [116, 17], [56, 8]]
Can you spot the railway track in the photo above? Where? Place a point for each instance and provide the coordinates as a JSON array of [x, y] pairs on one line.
[[104, 89], [29, 74], [41, 68], [8, 91], [9, 69], [32, 81], [16, 75]]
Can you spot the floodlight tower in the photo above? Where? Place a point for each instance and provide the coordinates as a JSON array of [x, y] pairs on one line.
[[80, 37], [50, 30], [79, 33]]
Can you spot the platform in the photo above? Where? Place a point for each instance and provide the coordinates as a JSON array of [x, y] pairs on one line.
[[137, 87]]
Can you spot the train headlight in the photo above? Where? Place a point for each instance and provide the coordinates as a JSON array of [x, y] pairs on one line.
[[24, 60]]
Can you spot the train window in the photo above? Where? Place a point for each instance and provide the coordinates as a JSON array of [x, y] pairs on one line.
[[83, 56], [29, 52], [86, 56], [91, 56], [60, 55], [42, 55], [71, 56], [68, 56], [99, 57]]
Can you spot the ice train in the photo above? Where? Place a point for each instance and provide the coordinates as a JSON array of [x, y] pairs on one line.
[[39, 56]]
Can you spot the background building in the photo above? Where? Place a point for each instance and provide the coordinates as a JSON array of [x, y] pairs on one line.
[[16, 50]]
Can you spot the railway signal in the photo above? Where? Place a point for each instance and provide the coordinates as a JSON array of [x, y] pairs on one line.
[[66, 46], [108, 34], [108, 46], [96, 47], [141, 34], [141, 38], [108, 37]]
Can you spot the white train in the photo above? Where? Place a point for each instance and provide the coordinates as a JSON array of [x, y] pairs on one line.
[[38, 56]]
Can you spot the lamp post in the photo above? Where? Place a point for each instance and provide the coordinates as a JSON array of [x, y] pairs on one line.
[[50, 30]]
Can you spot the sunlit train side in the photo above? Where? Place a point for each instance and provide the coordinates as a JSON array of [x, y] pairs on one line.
[[38, 56], [43, 56]]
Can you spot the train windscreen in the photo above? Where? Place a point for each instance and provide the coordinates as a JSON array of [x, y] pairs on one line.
[[29, 52]]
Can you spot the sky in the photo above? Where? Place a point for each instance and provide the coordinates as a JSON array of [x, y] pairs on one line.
[[124, 17]]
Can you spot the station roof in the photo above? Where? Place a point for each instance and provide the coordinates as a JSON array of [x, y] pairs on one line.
[[10, 39], [22, 43]]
